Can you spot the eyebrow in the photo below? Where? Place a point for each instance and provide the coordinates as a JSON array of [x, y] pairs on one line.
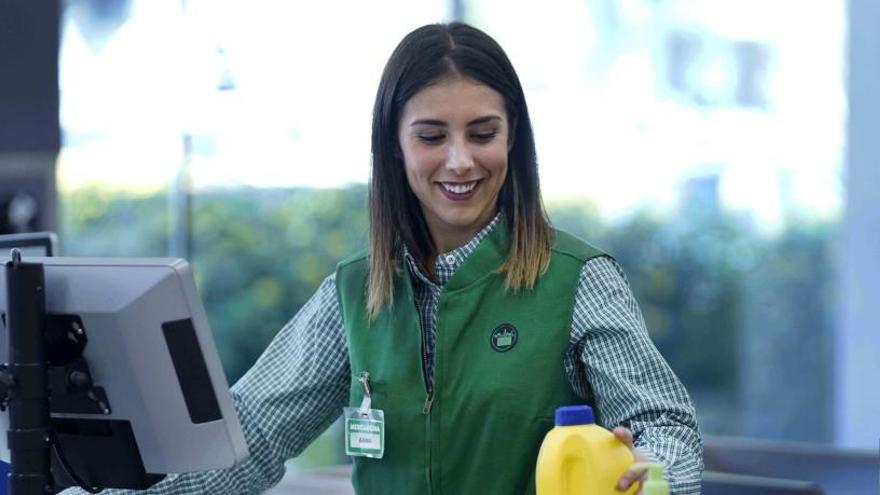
[[480, 120]]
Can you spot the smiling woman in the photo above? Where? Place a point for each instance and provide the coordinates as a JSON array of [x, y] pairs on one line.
[[458, 230]]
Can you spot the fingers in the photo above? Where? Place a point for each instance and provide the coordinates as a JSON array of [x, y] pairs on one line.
[[630, 477], [624, 435]]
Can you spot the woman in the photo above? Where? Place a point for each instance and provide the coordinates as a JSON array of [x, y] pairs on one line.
[[470, 319]]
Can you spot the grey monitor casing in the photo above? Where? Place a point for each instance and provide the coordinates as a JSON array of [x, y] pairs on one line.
[[123, 303]]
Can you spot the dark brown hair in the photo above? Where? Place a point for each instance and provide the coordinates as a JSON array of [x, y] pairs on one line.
[[426, 56]]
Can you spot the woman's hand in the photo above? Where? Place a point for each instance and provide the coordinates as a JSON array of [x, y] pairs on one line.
[[632, 475]]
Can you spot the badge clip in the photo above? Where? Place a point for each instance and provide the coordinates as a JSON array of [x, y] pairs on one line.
[[368, 396]]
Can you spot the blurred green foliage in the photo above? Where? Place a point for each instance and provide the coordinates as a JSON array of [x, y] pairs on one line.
[[743, 318], [260, 255]]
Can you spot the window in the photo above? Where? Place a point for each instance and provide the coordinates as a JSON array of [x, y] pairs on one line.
[[701, 144]]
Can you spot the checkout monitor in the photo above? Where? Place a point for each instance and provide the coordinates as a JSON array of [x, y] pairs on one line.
[[159, 401]]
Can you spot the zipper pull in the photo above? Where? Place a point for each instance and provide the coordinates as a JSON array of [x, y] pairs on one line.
[[368, 399], [429, 401]]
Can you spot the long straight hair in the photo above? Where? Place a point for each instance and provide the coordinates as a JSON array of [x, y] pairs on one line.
[[425, 56]]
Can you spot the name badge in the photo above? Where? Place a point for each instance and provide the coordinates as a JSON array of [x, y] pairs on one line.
[[364, 432], [364, 426]]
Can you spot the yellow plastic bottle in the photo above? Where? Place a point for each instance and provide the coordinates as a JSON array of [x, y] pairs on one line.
[[580, 457]]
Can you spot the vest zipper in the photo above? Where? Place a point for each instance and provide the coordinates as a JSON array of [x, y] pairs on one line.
[[429, 400], [426, 410], [429, 387]]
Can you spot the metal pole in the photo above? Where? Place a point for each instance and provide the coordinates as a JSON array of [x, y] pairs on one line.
[[857, 339], [457, 10], [28, 435], [180, 240]]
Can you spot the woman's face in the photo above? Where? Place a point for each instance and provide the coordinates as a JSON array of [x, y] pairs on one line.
[[454, 139]]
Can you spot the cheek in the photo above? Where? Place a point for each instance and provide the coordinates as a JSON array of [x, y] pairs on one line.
[[415, 175], [494, 159], [421, 164]]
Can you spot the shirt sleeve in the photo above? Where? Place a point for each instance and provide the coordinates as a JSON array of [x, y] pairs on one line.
[[629, 381], [296, 389]]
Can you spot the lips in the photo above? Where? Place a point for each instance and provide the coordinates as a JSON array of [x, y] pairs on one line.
[[459, 191]]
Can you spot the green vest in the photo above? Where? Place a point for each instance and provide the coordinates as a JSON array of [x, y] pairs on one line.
[[495, 389]]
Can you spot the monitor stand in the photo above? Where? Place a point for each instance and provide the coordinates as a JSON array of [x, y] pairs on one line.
[[24, 383]]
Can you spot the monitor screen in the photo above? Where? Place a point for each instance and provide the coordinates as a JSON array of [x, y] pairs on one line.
[[158, 389]]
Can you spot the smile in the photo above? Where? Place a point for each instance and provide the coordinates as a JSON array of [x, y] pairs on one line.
[[459, 191], [459, 188]]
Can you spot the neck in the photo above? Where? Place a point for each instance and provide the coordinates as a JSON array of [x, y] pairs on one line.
[[445, 242], [446, 239]]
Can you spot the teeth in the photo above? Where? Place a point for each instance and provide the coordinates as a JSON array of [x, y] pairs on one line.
[[459, 188]]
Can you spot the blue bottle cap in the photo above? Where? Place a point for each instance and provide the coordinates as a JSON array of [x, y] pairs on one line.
[[574, 415]]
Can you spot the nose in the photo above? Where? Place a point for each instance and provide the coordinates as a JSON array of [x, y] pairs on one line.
[[459, 158]]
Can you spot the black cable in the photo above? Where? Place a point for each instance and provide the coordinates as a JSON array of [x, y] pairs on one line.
[[69, 470]]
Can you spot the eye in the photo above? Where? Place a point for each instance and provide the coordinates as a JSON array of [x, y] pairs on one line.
[[484, 137], [431, 138]]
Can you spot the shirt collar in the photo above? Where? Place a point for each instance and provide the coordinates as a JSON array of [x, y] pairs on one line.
[[447, 263]]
